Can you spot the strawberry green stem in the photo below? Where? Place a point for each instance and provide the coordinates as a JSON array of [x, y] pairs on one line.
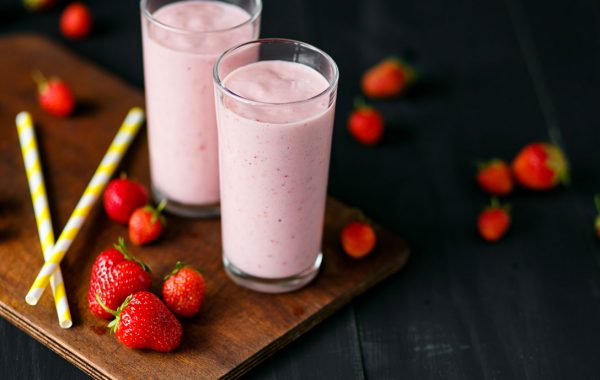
[[360, 103], [597, 202], [40, 80], [156, 212], [495, 203], [161, 206], [120, 246], [115, 322], [179, 266], [106, 308]]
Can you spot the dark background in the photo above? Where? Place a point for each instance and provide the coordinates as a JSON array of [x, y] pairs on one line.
[[496, 75]]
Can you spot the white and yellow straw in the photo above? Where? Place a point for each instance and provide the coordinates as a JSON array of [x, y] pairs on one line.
[[109, 163], [39, 200]]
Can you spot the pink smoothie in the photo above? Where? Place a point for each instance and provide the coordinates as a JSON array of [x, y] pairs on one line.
[[274, 168], [178, 61]]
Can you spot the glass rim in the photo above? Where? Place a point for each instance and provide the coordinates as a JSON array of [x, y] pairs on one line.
[[219, 83], [148, 15]]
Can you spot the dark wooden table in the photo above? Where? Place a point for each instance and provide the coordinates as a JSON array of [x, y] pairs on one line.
[[496, 75]]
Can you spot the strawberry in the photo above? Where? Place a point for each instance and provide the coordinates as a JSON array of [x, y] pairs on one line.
[[388, 78], [54, 95], [493, 221], [365, 124], [76, 21], [115, 275], [540, 166], [183, 290], [122, 197], [146, 224], [358, 239], [495, 177], [39, 5], [143, 321]]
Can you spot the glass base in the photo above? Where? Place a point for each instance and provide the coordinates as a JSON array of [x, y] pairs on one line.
[[186, 210], [272, 285]]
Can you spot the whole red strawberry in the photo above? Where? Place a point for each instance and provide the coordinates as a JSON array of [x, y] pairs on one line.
[[358, 239], [493, 221], [366, 124], [143, 321], [540, 166], [388, 78], [115, 275], [122, 197], [76, 21], [146, 224], [54, 95], [495, 177], [183, 291], [39, 5]]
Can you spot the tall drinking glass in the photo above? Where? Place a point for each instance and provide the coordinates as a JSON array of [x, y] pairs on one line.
[[275, 102], [182, 40]]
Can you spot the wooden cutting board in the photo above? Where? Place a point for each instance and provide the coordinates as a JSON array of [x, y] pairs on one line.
[[237, 328]]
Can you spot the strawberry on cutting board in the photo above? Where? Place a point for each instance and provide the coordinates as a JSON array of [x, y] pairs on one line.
[[146, 224], [122, 197], [388, 78], [183, 290], [358, 239], [541, 166], [365, 124], [495, 177], [142, 321], [54, 95], [115, 275], [494, 221]]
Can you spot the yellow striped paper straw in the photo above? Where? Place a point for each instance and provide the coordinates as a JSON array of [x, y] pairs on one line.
[[41, 210], [109, 163]]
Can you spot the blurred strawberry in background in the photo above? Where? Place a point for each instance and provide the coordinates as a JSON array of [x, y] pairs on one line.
[[76, 21]]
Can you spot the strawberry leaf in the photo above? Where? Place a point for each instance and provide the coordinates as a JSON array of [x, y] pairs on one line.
[[123, 249]]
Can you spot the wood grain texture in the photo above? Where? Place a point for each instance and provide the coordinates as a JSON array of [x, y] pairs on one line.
[[237, 328]]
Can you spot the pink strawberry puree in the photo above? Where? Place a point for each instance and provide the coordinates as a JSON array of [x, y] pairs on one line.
[[274, 168], [179, 94]]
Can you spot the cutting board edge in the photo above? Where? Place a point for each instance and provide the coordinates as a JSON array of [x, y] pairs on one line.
[[326, 312], [8, 313], [61, 350]]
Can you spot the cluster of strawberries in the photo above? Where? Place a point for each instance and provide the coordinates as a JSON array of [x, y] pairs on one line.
[[120, 283], [120, 288], [538, 166], [126, 202]]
